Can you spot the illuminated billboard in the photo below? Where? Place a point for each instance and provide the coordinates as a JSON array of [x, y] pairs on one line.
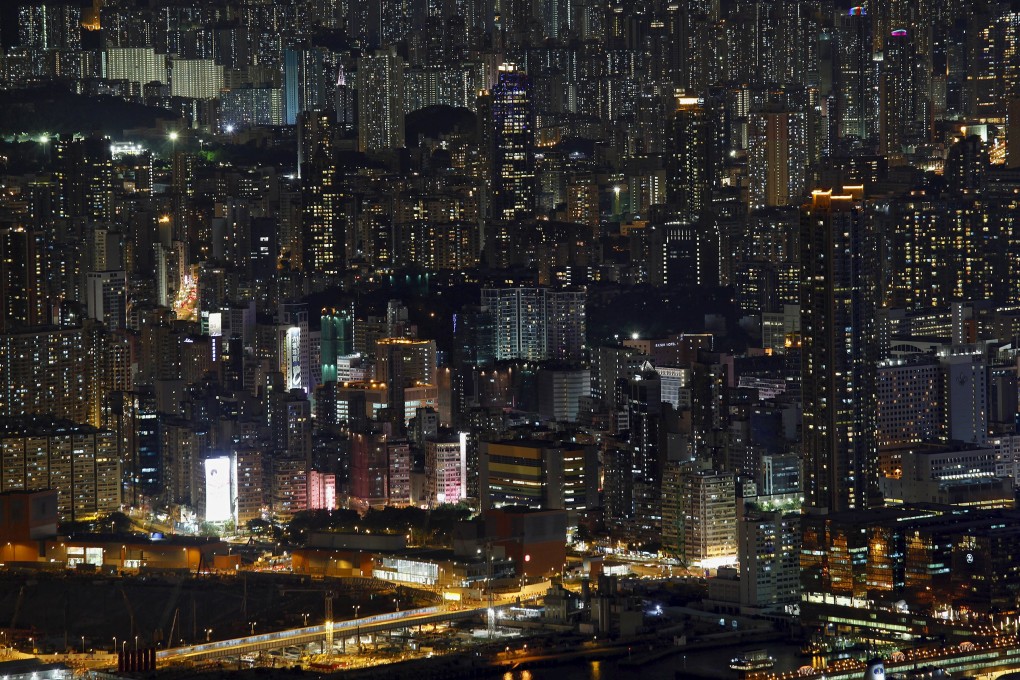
[[292, 351], [219, 491]]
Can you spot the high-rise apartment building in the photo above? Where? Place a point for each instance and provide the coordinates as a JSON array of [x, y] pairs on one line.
[[768, 552], [380, 84], [691, 164], [855, 75], [140, 65], [536, 324], [699, 515], [323, 224], [50, 26], [839, 350], [79, 461], [776, 158], [84, 174], [446, 473], [24, 300], [196, 78]]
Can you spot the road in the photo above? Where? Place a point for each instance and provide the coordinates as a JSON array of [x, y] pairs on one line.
[[301, 636]]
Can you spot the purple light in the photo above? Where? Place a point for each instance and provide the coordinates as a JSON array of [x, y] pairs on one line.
[[899, 33]]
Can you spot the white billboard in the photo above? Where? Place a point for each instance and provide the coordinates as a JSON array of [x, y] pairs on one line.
[[292, 352], [215, 324], [219, 482]]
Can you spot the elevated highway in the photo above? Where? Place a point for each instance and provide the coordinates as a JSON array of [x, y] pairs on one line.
[[295, 637]]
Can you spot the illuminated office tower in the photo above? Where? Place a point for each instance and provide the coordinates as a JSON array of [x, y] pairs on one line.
[[295, 351], [910, 403], [23, 297], [776, 158], [323, 224], [513, 139], [336, 340], [839, 352], [855, 75], [690, 167], [380, 84]]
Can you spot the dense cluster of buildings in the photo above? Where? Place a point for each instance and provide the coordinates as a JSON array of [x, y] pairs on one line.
[[371, 254]]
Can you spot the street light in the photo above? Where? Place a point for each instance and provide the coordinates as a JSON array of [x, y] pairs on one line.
[[208, 633], [305, 616], [82, 644], [136, 643], [252, 627], [357, 626]]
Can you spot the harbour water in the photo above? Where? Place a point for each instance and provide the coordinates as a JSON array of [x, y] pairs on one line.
[[706, 664]]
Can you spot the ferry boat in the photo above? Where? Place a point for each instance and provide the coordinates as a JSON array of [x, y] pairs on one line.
[[752, 660]]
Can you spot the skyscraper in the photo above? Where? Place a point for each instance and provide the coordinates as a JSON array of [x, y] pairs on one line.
[[839, 352], [776, 157], [84, 172], [898, 94], [380, 83], [23, 298], [855, 83], [513, 141], [323, 232], [691, 164]]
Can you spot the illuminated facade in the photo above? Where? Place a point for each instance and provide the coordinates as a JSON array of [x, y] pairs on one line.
[[380, 83], [24, 301], [336, 334], [909, 401], [536, 324], [699, 516], [539, 475], [196, 78], [899, 573], [140, 65], [513, 141], [856, 75], [776, 158], [691, 166], [79, 461], [446, 473], [839, 353], [323, 223]]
